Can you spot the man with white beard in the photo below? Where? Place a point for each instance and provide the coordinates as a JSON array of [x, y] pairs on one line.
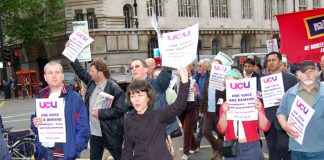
[[312, 92]]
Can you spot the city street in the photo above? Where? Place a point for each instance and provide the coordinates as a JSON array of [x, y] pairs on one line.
[[16, 113]]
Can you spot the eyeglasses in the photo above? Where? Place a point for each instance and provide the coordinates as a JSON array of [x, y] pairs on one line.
[[136, 66]]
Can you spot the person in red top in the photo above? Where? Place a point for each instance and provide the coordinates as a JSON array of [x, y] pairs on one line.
[[249, 146]]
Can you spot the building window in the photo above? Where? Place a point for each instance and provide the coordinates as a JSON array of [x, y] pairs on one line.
[[127, 16], [268, 9], [215, 46], [302, 5], [218, 8], [92, 19], [78, 15], [245, 46], [153, 43], [153, 5], [247, 10], [188, 8], [316, 4], [281, 7]]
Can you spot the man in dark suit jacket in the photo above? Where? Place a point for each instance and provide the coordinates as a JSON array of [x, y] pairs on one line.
[[276, 137]]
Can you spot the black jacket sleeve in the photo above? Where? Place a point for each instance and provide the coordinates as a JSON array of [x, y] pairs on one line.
[[81, 72], [178, 106], [118, 108]]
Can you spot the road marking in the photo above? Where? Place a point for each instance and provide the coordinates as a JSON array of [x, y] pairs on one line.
[[16, 120], [17, 115], [2, 103]]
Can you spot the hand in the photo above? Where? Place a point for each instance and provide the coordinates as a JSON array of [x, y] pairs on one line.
[[201, 114], [95, 112], [225, 107], [37, 121], [291, 131], [278, 101], [67, 44], [258, 105], [183, 74]]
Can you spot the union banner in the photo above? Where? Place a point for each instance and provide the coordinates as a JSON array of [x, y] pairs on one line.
[[302, 35]]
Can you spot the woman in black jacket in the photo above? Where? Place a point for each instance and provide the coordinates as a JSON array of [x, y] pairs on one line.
[[145, 135]]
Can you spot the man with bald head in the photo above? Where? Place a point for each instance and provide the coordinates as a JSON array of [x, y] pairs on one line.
[[150, 62]]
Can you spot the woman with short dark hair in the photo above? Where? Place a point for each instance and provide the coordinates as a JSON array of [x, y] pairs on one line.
[[145, 135]]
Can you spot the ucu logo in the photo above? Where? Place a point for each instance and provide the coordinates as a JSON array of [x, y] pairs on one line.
[[48, 104], [301, 107], [220, 68], [240, 85], [179, 36], [82, 36], [270, 79]]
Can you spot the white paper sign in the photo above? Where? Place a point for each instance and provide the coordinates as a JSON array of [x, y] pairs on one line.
[[272, 45], [77, 42], [52, 128], [226, 60], [191, 95], [85, 54], [241, 96], [217, 75], [272, 89], [299, 115], [179, 48]]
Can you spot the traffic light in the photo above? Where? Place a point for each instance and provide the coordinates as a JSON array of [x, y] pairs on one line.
[[16, 58], [7, 57]]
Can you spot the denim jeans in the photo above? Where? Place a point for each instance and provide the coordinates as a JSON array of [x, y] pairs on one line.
[[48, 154]]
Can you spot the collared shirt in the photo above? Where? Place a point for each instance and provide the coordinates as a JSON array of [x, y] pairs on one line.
[[308, 97], [94, 122]]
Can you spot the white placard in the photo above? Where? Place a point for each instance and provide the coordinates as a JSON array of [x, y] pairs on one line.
[[217, 75], [272, 45], [272, 89], [179, 48], [191, 95], [155, 24], [77, 42], [299, 115], [241, 96], [85, 54], [52, 129], [226, 60]]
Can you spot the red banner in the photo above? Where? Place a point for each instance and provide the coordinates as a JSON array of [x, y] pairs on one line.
[[302, 35]]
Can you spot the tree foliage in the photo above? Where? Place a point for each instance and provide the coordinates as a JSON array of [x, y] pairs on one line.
[[32, 21]]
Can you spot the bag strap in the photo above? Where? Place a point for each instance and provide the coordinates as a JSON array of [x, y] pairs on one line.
[[140, 131], [237, 130]]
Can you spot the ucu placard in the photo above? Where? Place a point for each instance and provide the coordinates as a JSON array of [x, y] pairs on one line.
[[240, 85], [269, 79], [272, 89], [221, 68], [301, 106], [179, 35], [51, 104], [241, 95], [82, 36]]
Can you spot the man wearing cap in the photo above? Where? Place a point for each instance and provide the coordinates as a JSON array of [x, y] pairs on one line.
[[312, 92], [276, 137]]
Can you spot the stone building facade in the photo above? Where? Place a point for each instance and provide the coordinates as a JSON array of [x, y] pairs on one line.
[[122, 29]]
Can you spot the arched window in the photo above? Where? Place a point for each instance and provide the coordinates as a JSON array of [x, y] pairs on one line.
[[127, 15], [152, 43], [215, 46], [245, 46], [92, 19]]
